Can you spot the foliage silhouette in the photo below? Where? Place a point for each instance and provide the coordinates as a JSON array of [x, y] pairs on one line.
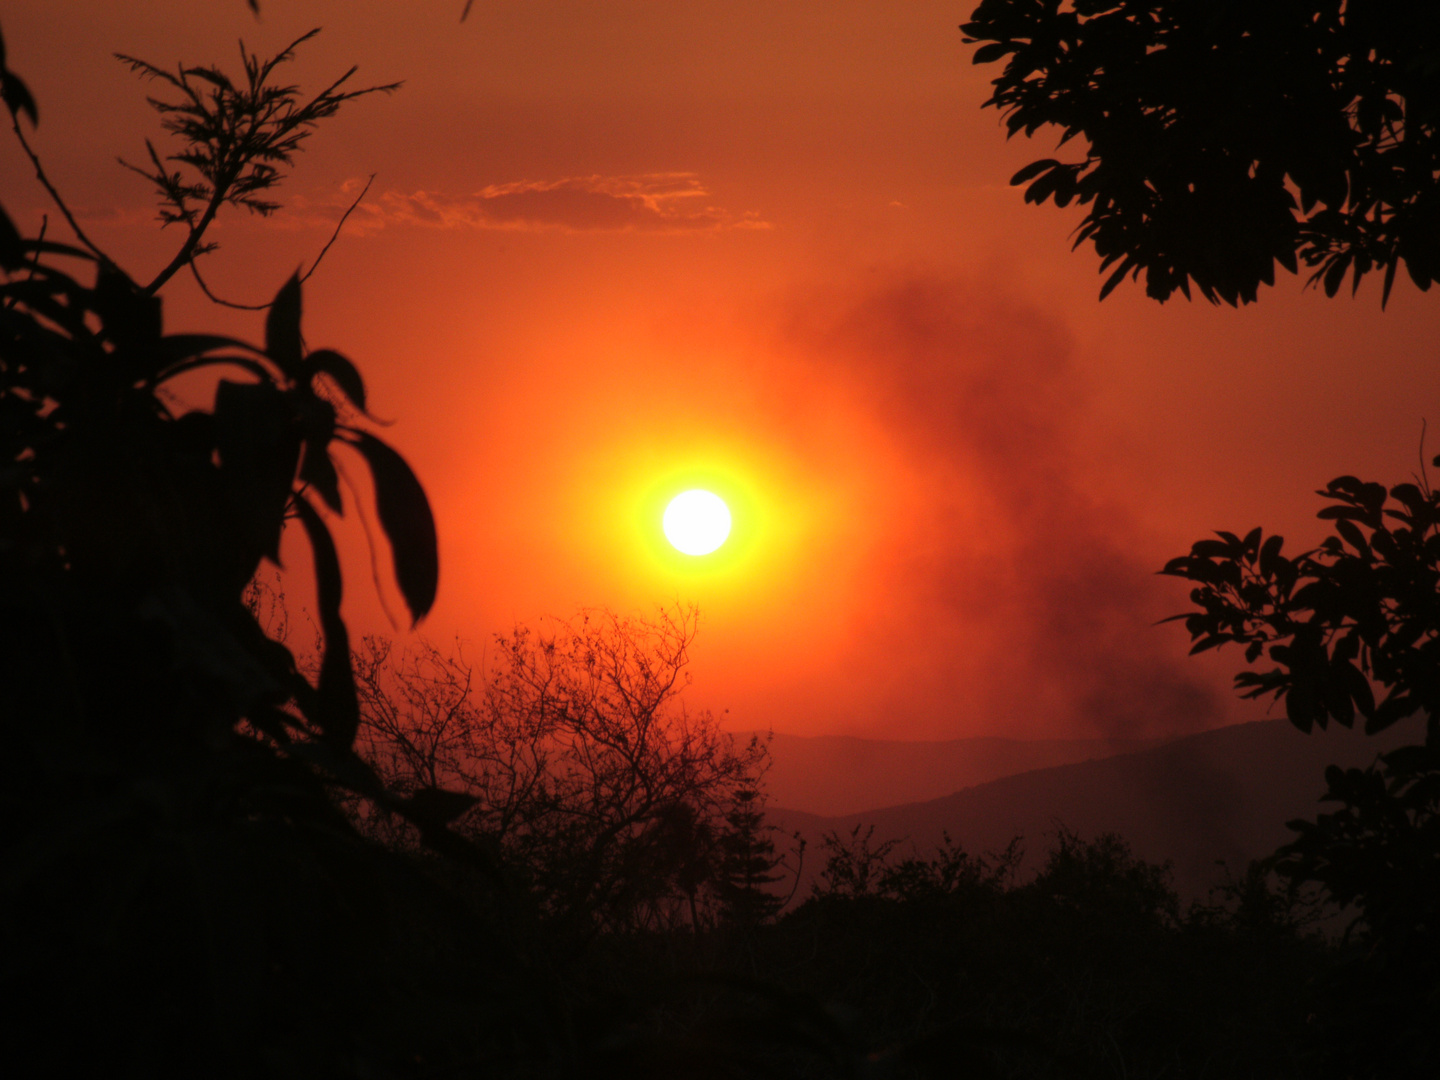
[[1378, 856], [572, 757], [237, 137], [853, 867], [749, 869], [1088, 969], [113, 495], [1223, 138], [1362, 610], [180, 888]]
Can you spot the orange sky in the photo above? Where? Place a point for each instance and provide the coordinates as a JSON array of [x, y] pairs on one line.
[[615, 248]]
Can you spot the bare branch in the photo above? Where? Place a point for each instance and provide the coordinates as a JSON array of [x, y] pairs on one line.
[[210, 295], [338, 226], [195, 273], [54, 194]]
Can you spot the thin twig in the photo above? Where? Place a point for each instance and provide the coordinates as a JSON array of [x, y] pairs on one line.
[[45, 180], [188, 252], [1424, 476], [40, 240], [35, 259], [339, 225], [195, 270]]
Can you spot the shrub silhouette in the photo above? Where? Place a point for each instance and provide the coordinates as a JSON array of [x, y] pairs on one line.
[[599, 792]]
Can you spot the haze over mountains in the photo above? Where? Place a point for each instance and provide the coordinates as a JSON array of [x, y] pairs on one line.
[[1222, 795], [841, 774]]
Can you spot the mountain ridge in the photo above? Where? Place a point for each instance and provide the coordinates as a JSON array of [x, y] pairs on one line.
[[844, 774]]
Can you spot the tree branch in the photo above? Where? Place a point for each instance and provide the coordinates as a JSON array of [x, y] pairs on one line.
[[338, 226], [205, 288], [55, 195]]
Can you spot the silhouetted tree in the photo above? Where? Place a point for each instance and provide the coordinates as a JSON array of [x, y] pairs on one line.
[[1221, 138], [951, 871], [854, 864], [749, 869], [580, 763], [1378, 857]]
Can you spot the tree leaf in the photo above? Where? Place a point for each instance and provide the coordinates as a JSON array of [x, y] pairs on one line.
[[405, 516], [989, 53], [1035, 168], [336, 700], [259, 452], [1351, 532], [317, 470], [12, 247], [282, 328], [339, 368], [1212, 642], [1210, 549], [1269, 553], [17, 95]]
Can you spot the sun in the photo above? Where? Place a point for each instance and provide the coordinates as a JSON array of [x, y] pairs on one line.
[[697, 522]]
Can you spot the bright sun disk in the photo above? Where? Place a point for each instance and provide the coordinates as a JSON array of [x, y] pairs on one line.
[[697, 522]]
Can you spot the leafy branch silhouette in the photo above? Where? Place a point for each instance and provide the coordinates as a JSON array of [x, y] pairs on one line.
[[1219, 142], [1363, 606], [238, 138]]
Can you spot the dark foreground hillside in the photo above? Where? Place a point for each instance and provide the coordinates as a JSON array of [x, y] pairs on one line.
[[956, 967], [1222, 795]]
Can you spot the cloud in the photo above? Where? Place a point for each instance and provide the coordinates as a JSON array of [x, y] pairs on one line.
[[649, 202], [1022, 589]]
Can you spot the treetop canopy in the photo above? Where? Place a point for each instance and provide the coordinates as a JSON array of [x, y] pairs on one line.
[[1225, 136]]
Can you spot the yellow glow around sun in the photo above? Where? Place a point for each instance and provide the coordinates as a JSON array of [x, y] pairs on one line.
[[697, 522]]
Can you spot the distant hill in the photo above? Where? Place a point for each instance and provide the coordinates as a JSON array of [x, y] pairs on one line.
[[839, 774], [1220, 795]]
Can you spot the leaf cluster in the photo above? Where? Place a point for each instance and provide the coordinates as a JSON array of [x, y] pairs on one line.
[[237, 138], [120, 510], [170, 773], [1224, 138], [1361, 611]]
